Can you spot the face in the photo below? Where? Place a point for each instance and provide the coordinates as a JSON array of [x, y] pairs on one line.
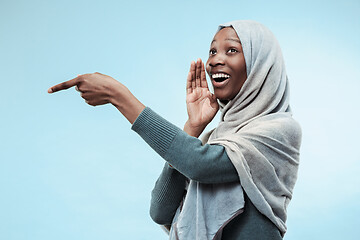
[[226, 64]]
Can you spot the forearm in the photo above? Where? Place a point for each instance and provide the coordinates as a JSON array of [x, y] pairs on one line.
[[202, 163], [167, 195]]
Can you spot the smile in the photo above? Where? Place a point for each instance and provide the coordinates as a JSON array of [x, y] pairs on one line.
[[220, 77]]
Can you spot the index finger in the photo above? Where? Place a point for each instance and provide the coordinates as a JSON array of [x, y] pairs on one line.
[[203, 81], [63, 85], [190, 83], [198, 73]]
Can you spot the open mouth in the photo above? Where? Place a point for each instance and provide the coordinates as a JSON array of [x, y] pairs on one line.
[[220, 77]]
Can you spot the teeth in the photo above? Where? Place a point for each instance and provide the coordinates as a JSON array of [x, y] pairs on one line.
[[220, 75]]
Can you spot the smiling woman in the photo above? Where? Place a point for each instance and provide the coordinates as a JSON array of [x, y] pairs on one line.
[[226, 64], [237, 181]]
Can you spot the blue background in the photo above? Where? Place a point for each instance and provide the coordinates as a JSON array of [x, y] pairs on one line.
[[72, 171]]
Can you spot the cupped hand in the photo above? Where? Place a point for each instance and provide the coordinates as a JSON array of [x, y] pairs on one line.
[[201, 103]]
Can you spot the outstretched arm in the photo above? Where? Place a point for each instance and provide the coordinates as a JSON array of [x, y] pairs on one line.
[[99, 89]]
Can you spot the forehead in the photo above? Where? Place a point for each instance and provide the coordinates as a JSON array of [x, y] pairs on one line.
[[226, 34]]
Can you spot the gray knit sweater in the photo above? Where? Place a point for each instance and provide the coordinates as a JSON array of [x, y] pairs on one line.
[[202, 163], [190, 159]]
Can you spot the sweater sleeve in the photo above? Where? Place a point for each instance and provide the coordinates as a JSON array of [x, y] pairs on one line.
[[203, 163], [167, 195]]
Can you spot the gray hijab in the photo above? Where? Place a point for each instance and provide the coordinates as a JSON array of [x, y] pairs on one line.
[[261, 139]]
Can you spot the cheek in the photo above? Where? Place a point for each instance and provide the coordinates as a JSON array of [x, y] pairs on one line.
[[240, 67]]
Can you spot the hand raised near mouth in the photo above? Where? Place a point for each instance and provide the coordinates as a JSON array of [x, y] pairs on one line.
[[201, 103]]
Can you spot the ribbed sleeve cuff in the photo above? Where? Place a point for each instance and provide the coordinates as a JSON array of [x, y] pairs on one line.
[[155, 130]]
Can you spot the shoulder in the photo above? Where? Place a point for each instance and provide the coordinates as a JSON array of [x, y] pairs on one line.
[[281, 127]]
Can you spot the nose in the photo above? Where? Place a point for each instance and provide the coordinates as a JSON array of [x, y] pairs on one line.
[[216, 60]]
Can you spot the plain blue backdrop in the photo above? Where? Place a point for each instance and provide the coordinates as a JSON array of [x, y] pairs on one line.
[[72, 171]]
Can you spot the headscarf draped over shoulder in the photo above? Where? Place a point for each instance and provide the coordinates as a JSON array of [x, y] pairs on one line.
[[257, 129], [261, 139]]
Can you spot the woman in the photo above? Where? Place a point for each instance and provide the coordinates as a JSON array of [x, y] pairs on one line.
[[237, 182]]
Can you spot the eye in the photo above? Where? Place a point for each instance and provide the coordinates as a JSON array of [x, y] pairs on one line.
[[212, 52], [232, 50]]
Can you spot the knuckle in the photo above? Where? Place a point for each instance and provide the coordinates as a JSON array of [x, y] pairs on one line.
[[81, 78], [63, 85]]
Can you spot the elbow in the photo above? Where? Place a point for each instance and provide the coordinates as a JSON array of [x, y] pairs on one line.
[[158, 216], [200, 175]]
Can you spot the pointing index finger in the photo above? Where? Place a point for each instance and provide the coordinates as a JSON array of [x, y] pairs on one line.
[[64, 85]]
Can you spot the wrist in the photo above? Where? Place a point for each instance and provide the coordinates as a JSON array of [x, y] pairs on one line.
[[126, 103], [119, 95], [192, 130]]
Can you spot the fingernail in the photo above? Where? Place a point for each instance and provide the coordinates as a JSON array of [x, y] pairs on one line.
[[50, 90]]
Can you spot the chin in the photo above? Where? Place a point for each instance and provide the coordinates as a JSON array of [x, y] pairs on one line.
[[222, 97]]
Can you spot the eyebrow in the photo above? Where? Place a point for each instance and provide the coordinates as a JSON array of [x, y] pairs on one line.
[[229, 39], [233, 39]]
